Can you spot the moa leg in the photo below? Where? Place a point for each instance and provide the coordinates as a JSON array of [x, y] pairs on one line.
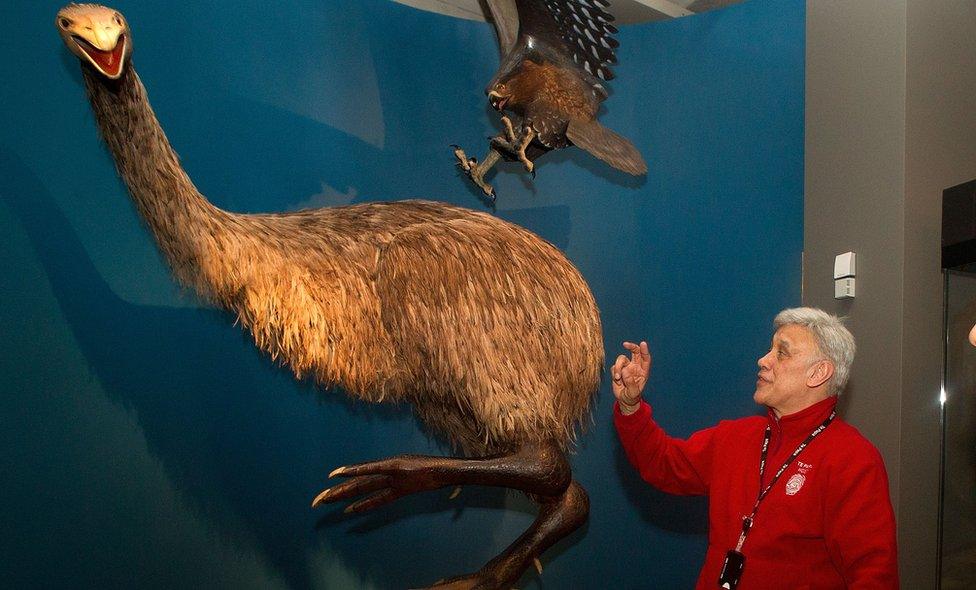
[[558, 517], [540, 470]]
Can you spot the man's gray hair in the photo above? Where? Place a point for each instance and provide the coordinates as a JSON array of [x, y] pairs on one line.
[[835, 341]]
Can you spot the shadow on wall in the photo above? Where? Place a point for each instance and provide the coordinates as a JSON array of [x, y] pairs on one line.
[[687, 515]]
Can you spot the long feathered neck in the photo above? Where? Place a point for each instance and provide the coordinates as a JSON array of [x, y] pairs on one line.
[[180, 218]]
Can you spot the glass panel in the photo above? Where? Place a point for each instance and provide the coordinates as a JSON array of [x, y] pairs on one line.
[[959, 475]]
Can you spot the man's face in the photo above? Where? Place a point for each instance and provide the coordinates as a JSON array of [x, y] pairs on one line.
[[786, 371]]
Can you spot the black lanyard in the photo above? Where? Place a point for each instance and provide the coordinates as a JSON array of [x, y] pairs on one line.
[[748, 520]]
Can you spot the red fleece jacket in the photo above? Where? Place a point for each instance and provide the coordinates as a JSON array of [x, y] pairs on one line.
[[826, 524]]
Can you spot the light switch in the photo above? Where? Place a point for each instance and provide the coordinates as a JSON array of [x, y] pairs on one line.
[[845, 265], [844, 288]]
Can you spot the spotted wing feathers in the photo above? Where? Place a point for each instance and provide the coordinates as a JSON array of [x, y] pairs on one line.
[[579, 29], [550, 128]]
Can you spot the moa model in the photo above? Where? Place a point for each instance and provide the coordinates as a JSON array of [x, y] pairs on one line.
[[487, 330]]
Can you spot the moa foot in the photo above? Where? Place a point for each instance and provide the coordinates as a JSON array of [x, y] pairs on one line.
[[381, 482], [477, 581]]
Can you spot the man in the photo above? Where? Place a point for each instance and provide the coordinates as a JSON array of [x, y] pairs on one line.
[[826, 522]]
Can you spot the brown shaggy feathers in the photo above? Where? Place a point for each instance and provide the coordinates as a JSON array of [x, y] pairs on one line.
[[487, 329]]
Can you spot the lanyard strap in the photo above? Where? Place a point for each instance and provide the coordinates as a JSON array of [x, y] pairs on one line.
[[747, 521]]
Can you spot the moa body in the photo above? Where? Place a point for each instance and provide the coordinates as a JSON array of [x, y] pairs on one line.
[[487, 330]]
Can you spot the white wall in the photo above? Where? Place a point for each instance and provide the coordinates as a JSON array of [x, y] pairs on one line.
[[890, 123]]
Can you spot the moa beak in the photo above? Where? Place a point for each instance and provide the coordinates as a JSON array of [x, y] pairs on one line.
[[97, 35], [109, 62]]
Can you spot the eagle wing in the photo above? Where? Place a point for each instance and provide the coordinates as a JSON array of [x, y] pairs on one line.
[[578, 30], [606, 145], [577, 34], [505, 16]]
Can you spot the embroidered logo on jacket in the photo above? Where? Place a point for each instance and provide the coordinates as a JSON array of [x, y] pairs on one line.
[[796, 482]]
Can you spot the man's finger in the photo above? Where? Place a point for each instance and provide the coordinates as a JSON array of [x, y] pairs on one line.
[[645, 360], [618, 366], [637, 352]]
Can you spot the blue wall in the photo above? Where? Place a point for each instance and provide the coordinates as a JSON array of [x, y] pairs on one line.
[[145, 443]]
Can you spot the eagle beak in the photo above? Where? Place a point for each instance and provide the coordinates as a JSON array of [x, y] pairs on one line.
[[497, 100]]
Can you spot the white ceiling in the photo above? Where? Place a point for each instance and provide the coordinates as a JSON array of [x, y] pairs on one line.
[[626, 11]]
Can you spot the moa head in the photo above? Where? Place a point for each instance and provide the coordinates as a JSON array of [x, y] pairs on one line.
[[98, 35]]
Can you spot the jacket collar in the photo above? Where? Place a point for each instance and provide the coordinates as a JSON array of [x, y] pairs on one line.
[[802, 423]]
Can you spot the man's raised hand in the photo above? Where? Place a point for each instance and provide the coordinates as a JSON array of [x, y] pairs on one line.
[[628, 376]]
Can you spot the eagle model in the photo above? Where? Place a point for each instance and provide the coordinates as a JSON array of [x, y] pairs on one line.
[[556, 54], [486, 329]]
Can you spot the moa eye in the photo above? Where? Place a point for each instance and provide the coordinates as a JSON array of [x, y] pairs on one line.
[[64, 23], [117, 18]]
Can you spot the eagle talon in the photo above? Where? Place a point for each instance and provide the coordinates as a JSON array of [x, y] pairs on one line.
[[476, 171], [526, 140], [462, 159], [485, 188], [526, 162], [477, 175], [501, 144], [509, 129]]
